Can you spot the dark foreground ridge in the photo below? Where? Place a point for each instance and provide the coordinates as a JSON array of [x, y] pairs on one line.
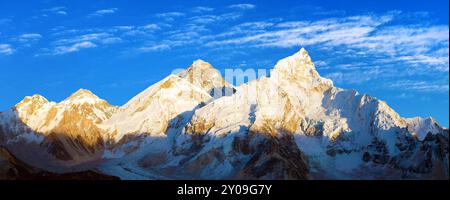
[[14, 169]]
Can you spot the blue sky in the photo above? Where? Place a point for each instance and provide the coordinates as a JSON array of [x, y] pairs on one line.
[[396, 51]]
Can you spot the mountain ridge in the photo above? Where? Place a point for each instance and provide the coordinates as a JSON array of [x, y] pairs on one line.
[[291, 125]]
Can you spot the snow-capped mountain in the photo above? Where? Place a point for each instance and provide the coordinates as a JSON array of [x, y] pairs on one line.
[[294, 124], [149, 113], [56, 135], [340, 133], [163, 105], [205, 76]]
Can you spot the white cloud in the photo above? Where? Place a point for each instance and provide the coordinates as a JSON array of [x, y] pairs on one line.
[[201, 9], [207, 19], [84, 41], [124, 28], [390, 52], [54, 9], [74, 48], [332, 31], [421, 86], [354, 76], [404, 96], [102, 12], [170, 16], [320, 63], [111, 40], [144, 30], [440, 63], [29, 37], [244, 6], [68, 40], [59, 10], [83, 38], [6, 49], [255, 25], [154, 48], [151, 27], [423, 46]]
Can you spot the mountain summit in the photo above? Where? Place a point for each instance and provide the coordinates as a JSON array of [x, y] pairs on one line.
[[82, 96], [55, 136], [294, 124], [205, 76]]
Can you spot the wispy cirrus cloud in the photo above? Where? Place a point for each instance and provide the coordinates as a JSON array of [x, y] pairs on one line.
[[58, 10], [194, 30], [103, 12], [243, 6], [143, 30], [201, 9], [6, 49], [74, 47], [333, 31], [364, 35], [85, 41], [206, 19], [27, 37], [156, 47], [388, 49], [83, 38], [421, 86], [170, 16], [353, 76], [74, 40]]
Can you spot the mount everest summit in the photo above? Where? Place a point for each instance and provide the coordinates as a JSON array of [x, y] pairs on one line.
[[294, 124]]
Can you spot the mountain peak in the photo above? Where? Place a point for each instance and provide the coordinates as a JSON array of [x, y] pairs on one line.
[[302, 57], [82, 96], [199, 70], [298, 61], [35, 99], [302, 53], [299, 66], [38, 97], [205, 76], [201, 64], [82, 91]]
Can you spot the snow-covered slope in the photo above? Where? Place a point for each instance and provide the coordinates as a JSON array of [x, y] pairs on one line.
[[205, 76], [294, 125], [150, 113], [420, 127], [50, 135]]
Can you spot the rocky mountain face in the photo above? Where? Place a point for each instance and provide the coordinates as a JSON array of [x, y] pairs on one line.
[[194, 125], [56, 136]]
